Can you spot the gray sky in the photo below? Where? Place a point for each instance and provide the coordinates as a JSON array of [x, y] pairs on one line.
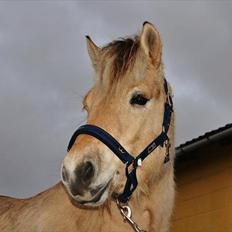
[[45, 71]]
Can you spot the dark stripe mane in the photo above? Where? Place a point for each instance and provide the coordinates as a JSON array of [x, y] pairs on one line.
[[123, 52]]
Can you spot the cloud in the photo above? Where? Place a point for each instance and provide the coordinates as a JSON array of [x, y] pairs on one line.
[[45, 71]]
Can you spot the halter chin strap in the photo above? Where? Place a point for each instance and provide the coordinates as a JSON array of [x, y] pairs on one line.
[[122, 153]]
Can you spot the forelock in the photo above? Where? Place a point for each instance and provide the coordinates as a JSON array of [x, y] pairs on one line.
[[123, 53]]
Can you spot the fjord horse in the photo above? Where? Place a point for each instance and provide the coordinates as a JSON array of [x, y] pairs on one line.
[[128, 101]]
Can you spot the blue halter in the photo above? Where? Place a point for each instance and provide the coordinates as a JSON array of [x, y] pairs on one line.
[[122, 153]]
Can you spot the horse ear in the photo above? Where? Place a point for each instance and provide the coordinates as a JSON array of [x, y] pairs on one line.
[[93, 50], [151, 43]]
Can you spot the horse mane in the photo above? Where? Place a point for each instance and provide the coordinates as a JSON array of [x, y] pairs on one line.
[[123, 52]]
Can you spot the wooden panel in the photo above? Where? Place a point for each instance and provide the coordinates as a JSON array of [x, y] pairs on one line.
[[203, 165], [213, 201], [204, 193], [214, 221], [205, 185]]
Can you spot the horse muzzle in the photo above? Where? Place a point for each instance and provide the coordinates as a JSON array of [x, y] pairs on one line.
[[84, 185]]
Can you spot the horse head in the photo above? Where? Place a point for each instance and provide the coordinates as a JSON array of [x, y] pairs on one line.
[[127, 100]]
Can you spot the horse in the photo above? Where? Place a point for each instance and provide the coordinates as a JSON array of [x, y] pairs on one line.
[[127, 103]]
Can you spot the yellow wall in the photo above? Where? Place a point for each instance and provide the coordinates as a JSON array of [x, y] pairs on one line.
[[204, 191]]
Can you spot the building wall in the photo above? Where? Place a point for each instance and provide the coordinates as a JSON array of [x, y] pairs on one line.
[[204, 190]]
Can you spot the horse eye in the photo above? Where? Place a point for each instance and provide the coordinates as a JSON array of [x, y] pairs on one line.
[[138, 99]]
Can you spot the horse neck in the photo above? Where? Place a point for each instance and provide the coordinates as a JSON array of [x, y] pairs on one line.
[[145, 209], [85, 218]]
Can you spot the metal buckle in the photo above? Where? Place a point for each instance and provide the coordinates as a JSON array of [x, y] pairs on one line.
[[126, 213], [167, 146]]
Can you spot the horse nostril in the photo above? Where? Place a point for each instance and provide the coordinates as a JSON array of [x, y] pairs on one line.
[[85, 173], [83, 176]]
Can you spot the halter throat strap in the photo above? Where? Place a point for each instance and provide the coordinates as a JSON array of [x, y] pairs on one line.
[[122, 153]]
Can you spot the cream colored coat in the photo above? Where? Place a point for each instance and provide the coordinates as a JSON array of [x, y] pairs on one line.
[[141, 69]]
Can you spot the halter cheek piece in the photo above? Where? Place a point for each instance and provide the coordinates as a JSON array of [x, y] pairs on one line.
[[121, 152]]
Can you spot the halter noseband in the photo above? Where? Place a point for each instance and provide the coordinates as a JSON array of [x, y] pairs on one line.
[[121, 152]]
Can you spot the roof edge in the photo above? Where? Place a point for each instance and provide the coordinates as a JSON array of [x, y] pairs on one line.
[[212, 136]]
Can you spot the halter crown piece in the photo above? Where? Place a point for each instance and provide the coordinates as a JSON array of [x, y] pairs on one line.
[[122, 153]]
